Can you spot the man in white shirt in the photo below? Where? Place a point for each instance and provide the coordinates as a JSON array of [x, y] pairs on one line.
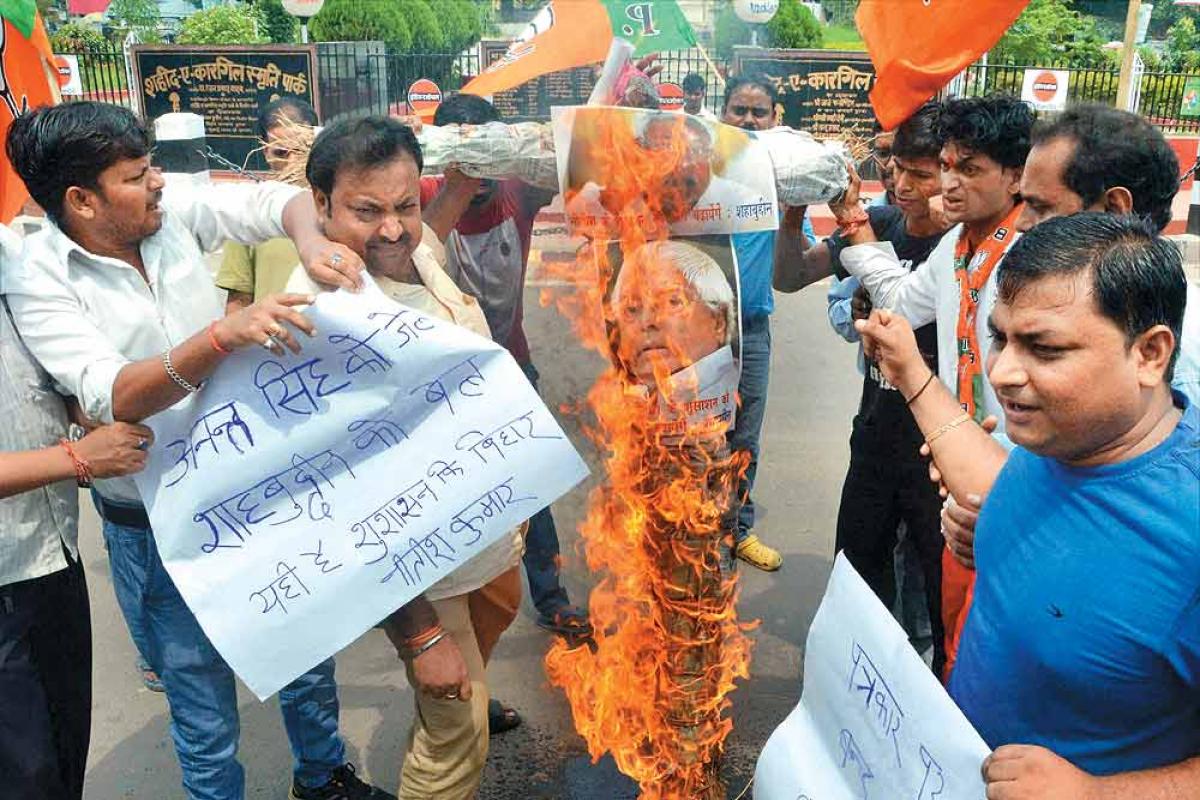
[[114, 298], [984, 145], [45, 621], [694, 88]]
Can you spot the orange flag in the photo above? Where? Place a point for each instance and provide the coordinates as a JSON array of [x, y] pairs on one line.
[[28, 79], [563, 35], [918, 46]]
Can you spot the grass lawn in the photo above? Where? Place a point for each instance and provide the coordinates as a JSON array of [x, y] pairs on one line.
[[842, 37]]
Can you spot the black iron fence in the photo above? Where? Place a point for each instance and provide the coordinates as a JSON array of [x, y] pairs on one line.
[[359, 78], [1161, 94], [103, 75], [363, 78]]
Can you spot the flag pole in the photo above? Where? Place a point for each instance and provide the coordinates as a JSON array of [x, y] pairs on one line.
[[1124, 83], [711, 65]]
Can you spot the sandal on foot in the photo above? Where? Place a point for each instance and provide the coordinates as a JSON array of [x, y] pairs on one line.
[[570, 621], [755, 553], [501, 718]]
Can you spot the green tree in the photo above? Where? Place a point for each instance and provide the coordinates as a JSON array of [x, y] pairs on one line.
[[1052, 32], [137, 16], [273, 22], [794, 26], [1183, 46], [220, 25], [461, 25], [427, 34], [362, 21], [75, 37]]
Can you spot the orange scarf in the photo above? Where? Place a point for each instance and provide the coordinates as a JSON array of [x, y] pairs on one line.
[[972, 271], [958, 582]]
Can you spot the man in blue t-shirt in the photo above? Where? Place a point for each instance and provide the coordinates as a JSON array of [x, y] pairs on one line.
[[750, 104], [1080, 662]]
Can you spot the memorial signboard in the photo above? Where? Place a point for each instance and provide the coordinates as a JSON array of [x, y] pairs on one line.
[[227, 85], [824, 92], [533, 99]]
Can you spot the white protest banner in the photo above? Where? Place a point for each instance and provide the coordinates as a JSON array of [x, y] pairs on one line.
[[873, 721], [298, 500]]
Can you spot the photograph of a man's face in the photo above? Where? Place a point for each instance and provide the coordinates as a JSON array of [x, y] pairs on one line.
[[672, 306], [689, 175]]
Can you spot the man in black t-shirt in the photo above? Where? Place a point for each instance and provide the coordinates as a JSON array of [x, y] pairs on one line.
[[887, 482]]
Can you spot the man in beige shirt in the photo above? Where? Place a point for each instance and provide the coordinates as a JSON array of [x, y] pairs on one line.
[[365, 177]]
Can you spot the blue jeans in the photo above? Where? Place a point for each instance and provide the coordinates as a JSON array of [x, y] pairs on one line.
[[756, 371], [200, 686], [541, 557]]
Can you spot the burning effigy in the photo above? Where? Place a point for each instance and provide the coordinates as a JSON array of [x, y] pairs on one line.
[[656, 195]]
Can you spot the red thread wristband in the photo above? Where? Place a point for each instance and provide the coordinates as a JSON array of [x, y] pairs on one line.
[[212, 338], [83, 470]]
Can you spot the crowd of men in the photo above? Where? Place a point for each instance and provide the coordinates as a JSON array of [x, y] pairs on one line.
[[1030, 346]]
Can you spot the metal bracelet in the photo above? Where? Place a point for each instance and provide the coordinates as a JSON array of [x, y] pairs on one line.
[[412, 654], [175, 376]]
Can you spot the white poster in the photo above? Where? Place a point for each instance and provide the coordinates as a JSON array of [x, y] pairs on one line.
[[873, 723], [1045, 89], [299, 500], [704, 177]]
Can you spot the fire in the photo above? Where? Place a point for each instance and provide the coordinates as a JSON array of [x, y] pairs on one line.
[[653, 688]]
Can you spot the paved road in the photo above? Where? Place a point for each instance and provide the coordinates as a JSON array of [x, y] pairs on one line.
[[814, 390]]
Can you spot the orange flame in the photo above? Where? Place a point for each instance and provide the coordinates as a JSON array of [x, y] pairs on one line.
[[653, 690]]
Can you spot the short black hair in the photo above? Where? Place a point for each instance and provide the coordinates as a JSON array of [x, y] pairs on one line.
[[1137, 275], [465, 109], [362, 143], [1116, 148], [54, 148], [754, 82], [998, 126], [917, 136], [693, 82], [291, 108]]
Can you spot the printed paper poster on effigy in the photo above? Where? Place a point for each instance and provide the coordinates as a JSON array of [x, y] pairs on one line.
[[696, 175]]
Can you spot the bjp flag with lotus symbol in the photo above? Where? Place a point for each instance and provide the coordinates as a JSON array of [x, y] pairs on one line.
[[28, 79]]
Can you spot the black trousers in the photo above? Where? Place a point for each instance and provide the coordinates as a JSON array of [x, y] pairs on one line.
[[878, 494], [45, 686]]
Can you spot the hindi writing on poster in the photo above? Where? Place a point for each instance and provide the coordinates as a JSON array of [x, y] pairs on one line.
[[873, 721], [298, 500]]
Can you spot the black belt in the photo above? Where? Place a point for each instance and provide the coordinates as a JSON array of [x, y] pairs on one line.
[[125, 516]]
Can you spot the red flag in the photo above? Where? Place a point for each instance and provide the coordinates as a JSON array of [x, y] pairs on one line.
[[918, 46], [87, 6], [27, 79], [563, 35]]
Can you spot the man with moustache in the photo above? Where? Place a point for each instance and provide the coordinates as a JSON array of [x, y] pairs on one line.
[[365, 179], [1080, 661]]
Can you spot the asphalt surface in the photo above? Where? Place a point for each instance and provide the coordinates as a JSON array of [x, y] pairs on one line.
[[813, 395]]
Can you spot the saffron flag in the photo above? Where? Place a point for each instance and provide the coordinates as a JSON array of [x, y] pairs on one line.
[[574, 33], [27, 79], [918, 46]]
